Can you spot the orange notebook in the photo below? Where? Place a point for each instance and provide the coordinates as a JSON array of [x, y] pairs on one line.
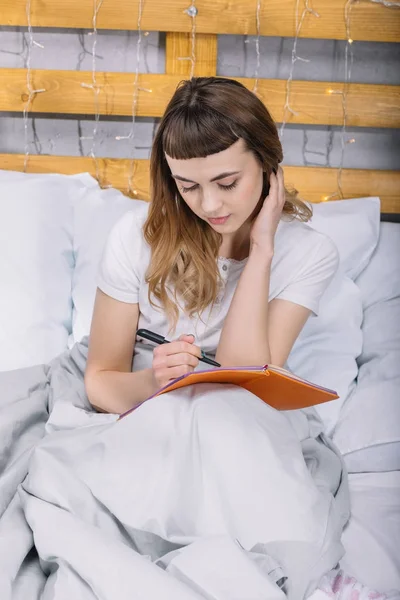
[[278, 387]]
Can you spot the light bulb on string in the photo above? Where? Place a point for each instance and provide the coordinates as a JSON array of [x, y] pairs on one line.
[[135, 97], [31, 91], [344, 93], [330, 91], [299, 24], [258, 55], [97, 4], [192, 11]]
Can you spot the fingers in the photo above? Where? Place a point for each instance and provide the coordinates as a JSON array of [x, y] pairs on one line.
[[166, 375], [281, 183], [277, 186], [186, 337], [273, 184], [179, 346], [175, 360]]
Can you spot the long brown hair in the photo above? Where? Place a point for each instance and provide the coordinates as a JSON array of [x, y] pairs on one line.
[[206, 115]]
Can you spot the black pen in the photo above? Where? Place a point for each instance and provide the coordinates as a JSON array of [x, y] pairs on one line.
[[159, 339]]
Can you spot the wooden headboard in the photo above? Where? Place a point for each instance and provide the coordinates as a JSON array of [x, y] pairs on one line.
[[315, 103]]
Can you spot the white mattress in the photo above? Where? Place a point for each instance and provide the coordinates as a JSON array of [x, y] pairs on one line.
[[372, 537]]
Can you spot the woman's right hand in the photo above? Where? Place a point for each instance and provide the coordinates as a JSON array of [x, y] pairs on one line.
[[174, 359]]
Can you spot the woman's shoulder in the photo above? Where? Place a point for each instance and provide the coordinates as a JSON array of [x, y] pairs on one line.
[[305, 261], [133, 219], [126, 235], [300, 238], [125, 255]]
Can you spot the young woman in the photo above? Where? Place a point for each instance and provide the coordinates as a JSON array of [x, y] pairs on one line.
[[221, 256], [222, 260]]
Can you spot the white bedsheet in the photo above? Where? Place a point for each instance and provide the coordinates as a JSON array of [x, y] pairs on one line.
[[368, 430], [372, 536]]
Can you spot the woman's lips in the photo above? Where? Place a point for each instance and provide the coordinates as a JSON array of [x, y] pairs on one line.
[[219, 220]]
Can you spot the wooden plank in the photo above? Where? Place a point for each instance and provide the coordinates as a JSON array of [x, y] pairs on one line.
[[317, 184], [367, 105], [369, 20], [313, 183], [179, 48], [112, 172]]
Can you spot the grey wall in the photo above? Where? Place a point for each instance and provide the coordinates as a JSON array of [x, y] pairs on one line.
[[116, 51]]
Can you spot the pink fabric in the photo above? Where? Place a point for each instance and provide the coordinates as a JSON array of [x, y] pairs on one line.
[[336, 584]]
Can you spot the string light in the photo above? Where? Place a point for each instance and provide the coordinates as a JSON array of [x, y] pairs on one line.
[[31, 91], [258, 59], [192, 11], [135, 97], [299, 24], [95, 87], [344, 93]]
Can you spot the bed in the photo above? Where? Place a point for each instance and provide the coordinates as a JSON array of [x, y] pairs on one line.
[[49, 255], [49, 252]]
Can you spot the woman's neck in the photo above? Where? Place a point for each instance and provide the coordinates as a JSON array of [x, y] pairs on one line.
[[236, 245]]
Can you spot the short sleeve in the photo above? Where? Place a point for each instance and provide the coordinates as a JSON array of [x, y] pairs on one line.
[[314, 276], [118, 274]]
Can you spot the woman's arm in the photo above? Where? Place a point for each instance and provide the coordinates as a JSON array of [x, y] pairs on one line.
[[110, 385], [244, 337], [117, 392], [256, 332]]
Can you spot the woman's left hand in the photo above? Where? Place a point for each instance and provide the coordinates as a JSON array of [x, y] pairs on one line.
[[263, 231]]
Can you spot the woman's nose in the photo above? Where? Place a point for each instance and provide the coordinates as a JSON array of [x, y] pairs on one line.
[[211, 203]]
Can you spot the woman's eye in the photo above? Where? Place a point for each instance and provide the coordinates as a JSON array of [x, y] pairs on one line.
[[184, 190], [228, 187], [188, 189]]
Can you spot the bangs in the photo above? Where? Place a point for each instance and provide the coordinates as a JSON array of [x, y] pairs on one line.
[[193, 133]]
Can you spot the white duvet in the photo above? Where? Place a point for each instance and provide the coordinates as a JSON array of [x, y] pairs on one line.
[[205, 492]]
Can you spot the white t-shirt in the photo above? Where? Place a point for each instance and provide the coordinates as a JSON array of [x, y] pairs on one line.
[[304, 263]]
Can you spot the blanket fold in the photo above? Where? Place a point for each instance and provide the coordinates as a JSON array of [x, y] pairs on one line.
[[203, 493]]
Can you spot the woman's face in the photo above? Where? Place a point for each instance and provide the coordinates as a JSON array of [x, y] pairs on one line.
[[223, 189]]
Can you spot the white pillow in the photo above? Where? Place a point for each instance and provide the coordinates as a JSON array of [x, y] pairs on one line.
[[368, 432], [371, 417], [354, 227], [327, 348], [381, 280], [94, 215], [36, 262]]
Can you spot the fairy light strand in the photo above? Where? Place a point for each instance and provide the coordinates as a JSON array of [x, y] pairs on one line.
[[97, 4], [299, 24], [258, 56], [135, 97], [344, 92], [343, 96], [192, 11], [31, 91]]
